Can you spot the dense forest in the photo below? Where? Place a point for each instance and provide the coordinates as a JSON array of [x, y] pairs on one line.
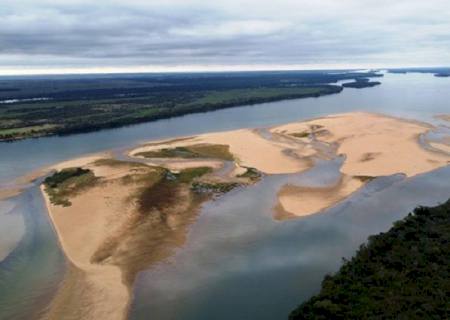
[[401, 274], [36, 106], [361, 83]]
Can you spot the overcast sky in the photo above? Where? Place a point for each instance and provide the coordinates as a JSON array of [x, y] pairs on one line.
[[173, 35]]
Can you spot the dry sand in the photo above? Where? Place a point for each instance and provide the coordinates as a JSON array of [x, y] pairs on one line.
[[374, 145], [82, 228], [250, 150]]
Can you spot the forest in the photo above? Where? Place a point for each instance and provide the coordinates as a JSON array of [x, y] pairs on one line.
[[33, 106], [401, 274]]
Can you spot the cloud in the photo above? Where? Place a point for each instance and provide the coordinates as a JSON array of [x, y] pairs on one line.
[[227, 34]]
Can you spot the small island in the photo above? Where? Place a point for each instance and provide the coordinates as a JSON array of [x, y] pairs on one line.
[[360, 83]]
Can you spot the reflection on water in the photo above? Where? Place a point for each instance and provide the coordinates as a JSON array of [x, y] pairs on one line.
[[29, 274], [239, 263], [12, 227]]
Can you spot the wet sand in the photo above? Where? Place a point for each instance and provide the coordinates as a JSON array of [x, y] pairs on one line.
[[296, 201]]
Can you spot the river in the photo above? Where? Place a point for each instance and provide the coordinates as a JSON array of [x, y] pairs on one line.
[[238, 262]]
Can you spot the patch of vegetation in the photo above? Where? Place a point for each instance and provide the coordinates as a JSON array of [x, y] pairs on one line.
[[364, 178], [161, 187], [361, 83], [401, 274], [65, 183], [45, 106], [216, 151], [214, 188], [251, 173], [118, 163], [189, 174], [303, 134], [24, 132]]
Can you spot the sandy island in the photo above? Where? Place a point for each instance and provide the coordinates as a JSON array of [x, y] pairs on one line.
[[373, 144], [116, 218], [119, 217]]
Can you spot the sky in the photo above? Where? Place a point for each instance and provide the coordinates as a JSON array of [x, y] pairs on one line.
[[77, 36]]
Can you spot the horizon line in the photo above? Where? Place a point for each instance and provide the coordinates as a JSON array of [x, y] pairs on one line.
[[213, 69]]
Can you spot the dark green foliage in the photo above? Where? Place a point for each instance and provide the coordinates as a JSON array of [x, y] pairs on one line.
[[360, 83], [59, 177], [87, 103], [67, 182], [401, 274], [215, 188], [251, 173]]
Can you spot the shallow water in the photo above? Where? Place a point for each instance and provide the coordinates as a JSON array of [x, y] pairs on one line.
[[30, 274], [238, 262]]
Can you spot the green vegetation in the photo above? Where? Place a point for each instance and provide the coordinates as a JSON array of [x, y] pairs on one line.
[[364, 178], [119, 163], [216, 151], [361, 83], [214, 188], [49, 117], [24, 132], [251, 173], [303, 134], [67, 182], [161, 186], [189, 174], [401, 274], [31, 107]]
